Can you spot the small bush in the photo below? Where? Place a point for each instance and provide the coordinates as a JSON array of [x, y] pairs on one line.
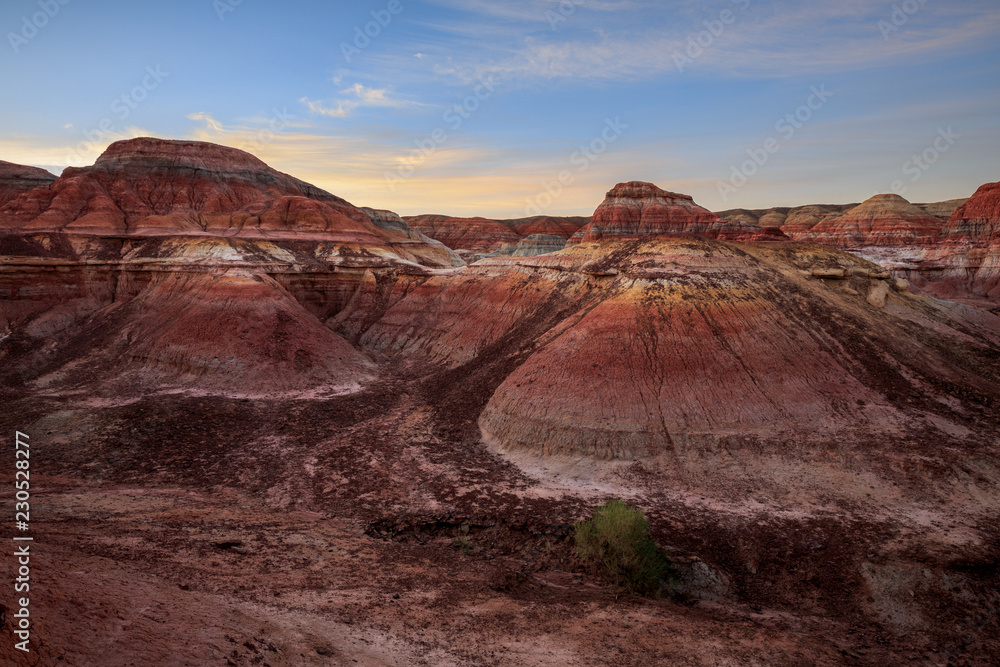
[[461, 541], [617, 538]]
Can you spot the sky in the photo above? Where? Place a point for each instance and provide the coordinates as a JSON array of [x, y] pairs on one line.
[[510, 108]]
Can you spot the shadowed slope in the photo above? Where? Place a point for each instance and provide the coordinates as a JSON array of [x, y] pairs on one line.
[[16, 179], [231, 333]]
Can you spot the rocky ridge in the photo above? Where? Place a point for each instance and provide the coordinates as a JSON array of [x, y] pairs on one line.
[[476, 237], [815, 442], [883, 220], [643, 209], [16, 179], [946, 249]]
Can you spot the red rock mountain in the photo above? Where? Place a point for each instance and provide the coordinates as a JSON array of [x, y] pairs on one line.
[[292, 386], [547, 225], [947, 249], [977, 221], [16, 179], [475, 234], [484, 235], [205, 268], [883, 220], [643, 209], [148, 187], [965, 263]]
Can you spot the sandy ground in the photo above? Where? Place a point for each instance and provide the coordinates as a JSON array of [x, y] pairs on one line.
[[363, 529], [149, 576]]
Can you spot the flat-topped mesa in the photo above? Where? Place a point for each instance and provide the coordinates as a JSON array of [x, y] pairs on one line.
[[643, 209], [18, 178], [883, 220], [151, 153], [145, 157], [152, 186], [163, 188]]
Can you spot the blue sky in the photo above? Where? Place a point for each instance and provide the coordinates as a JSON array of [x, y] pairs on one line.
[[504, 109]]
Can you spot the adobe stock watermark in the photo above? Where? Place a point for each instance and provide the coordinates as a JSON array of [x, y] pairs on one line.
[[363, 36], [566, 9], [30, 26], [121, 108], [223, 7], [454, 117], [714, 29], [900, 16], [581, 159], [918, 165], [787, 126], [21, 623], [279, 122]]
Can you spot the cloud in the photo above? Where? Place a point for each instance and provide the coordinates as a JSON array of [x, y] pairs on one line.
[[207, 118], [357, 96], [461, 177], [342, 110], [765, 39], [538, 11]]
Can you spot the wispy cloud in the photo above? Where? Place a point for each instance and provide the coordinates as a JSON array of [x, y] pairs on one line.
[[210, 122], [355, 97], [766, 39], [537, 10]]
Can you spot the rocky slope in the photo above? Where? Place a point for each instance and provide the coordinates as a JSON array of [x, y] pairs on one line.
[[482, 235], [943, 209], [965, 263], [16, 179], [179, 265], [794, 220], [538, 244], [883, 220], [977, 221], [153, 187], [698, 343], [563, 227], [474, 234], [943, 248], [643, 209], [529, 246]]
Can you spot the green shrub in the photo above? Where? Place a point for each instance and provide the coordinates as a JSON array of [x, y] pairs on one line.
[[617, 538]]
